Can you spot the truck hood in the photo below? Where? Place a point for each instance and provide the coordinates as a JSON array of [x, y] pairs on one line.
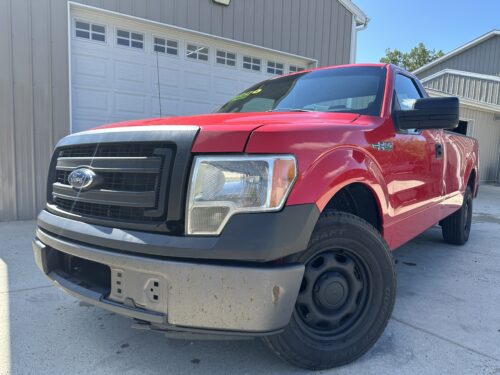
[[229, 132]]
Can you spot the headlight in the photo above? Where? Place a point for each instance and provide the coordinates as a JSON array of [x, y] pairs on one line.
[[221, 186]]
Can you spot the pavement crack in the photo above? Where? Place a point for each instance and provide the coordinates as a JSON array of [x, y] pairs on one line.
[[26, 289], [423, 330]]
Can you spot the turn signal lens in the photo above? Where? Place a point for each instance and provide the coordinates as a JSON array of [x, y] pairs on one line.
[[283, 176]]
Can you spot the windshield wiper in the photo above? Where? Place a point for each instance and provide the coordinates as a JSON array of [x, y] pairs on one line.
[[290, 110]]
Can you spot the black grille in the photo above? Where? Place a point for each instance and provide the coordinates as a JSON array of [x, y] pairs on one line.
[[132, 181], [112, 150], [101, 210], [120, 181]]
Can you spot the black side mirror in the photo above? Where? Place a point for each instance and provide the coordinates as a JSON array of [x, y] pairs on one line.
[[429, 113]]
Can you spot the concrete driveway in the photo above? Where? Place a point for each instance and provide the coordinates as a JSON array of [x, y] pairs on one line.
[[446, 319]]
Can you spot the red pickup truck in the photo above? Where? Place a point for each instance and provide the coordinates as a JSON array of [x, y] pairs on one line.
[[273, 218]]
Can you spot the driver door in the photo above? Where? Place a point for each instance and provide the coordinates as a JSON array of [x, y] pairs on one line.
[[415, 180]]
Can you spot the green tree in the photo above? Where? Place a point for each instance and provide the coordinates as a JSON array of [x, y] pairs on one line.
[[417, 57]]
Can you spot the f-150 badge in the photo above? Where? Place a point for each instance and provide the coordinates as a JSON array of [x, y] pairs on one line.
[[383, 146]]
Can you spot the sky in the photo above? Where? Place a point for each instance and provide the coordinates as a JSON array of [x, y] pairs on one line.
[[439, 24]]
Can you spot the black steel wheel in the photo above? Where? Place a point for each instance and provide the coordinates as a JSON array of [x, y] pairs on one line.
[[456, 227], [346, 297], [334, 293]]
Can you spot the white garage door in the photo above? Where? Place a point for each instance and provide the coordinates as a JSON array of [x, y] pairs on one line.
[[123, 68]]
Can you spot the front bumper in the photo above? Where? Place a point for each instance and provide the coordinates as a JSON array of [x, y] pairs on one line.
[[255, 237], [194, 295]]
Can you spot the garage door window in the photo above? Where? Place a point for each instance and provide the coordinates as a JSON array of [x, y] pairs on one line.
[[251, 63], [226, 58], [170, 47], [197, 52], [86, 30], [294, 69], [275, 67], [129, 39]]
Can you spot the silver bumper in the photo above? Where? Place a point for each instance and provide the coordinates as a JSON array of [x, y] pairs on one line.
[[183, 294]]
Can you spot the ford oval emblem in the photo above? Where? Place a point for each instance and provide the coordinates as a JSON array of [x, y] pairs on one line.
[[82, 178]]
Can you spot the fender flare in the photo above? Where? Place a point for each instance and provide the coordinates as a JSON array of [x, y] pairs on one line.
[[337, 169], [470, 167]]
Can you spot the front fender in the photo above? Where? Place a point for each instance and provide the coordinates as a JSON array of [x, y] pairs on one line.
[[333, 171]]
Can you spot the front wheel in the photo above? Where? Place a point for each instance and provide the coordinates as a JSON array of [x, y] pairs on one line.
[[456, 227], [346, 297]]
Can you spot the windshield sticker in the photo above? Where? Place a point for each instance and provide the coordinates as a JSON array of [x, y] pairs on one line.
[[245, 95]]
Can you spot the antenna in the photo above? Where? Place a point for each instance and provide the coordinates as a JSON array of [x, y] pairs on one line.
[[158, 78]]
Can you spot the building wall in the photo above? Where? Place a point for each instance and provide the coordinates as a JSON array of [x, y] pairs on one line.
[[475, 88], [483, 58], [485, 128], [487, 131], [33, 100], [34, 68]]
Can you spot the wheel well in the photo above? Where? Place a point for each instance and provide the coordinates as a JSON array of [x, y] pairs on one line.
[[357, 199], [472, 180]]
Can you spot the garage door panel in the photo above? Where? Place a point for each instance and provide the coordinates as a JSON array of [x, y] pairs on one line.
[[130, 76], [168, 77], [90, 100], [169, 106], [197, 84], [193, 107], [116, 83], [223, 86], [127, 103], [90, 67], [90, 49]]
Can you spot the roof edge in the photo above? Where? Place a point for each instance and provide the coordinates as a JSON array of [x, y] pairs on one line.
[[361, 17], [462, 73], [458, 50], [469, 102]]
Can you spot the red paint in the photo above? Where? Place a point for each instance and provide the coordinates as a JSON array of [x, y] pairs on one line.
[[414, 190]]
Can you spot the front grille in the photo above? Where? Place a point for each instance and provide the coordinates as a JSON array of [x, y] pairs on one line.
[[112, 150], [133, 181], [100, 210], [120, 180]]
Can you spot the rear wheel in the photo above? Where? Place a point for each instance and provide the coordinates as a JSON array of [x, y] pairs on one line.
[[346, 297], [456, 227]]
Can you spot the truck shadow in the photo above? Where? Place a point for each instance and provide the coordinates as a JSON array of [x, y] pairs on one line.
[[150, 352]]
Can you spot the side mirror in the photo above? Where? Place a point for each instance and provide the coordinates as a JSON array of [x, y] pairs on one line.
[[429, 113]]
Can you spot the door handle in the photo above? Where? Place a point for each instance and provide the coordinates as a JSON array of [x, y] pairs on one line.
[[439, 151]]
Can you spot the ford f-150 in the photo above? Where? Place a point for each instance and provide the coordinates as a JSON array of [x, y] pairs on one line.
[[274, 217]]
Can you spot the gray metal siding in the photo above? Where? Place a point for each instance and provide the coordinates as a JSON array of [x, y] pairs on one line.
[[8, 201], [483, 58], [34, 68], [487, 132], [474, 88], [33, 100]]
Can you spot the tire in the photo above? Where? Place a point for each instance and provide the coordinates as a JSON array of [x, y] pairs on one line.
[[346, 297], [456, 227]]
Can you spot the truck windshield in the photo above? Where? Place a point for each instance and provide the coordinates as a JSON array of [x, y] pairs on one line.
[[358, 89]]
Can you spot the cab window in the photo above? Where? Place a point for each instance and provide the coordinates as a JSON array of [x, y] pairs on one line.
[[406, 92]]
